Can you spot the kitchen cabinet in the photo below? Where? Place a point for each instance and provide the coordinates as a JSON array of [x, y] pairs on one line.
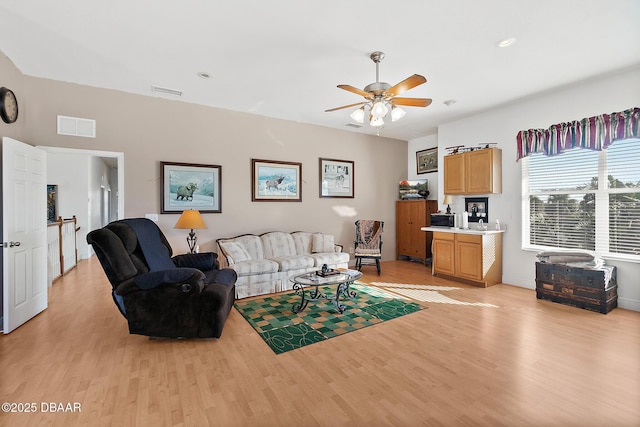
[[472, 257], [411, 216], [444, 254], [473, 172]]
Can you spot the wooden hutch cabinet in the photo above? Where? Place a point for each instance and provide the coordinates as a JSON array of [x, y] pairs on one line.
[[411, 215], [473, 172]]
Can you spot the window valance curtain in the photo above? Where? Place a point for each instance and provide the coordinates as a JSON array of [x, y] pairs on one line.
[[594, 133]]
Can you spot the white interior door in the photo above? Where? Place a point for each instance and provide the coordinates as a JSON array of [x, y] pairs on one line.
[[24, 232]]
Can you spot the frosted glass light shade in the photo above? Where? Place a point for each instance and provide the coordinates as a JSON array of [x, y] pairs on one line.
[[397, 113], [379, 109], [358, 115], [376, 121]]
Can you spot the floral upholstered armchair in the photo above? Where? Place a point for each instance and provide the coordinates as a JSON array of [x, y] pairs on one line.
[[368, 243]]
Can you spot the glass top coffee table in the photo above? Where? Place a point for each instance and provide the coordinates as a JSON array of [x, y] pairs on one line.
[[341, 280]]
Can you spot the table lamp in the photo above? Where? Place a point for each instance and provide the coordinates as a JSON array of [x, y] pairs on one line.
[[190, 219], [447, 201]]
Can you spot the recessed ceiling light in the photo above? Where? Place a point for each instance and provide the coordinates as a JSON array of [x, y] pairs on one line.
[[204, 75], [506, 42]]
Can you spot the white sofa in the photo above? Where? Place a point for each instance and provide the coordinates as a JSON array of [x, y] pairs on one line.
[[265, 263]]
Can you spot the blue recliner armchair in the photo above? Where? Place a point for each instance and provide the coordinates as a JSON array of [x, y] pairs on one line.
[[160, 295]]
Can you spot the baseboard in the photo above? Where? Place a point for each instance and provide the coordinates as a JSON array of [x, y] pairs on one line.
[[629, 304], [521, 282]]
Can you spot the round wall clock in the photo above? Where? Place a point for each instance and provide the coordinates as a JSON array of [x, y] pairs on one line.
[[8, 105]]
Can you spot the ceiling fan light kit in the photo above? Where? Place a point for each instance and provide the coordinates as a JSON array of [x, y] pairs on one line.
[[381, 97]]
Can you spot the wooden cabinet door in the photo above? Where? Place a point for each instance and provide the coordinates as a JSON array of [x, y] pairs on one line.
[[483, 171], [479, 171], [454, 174], [410, 217], [444, 256], [469, 260]]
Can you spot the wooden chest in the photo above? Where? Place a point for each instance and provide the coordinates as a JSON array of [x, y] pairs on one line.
[[592, 289]]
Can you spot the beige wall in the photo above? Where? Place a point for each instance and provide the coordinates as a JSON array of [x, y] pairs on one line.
[[149, 130], [10, 77]]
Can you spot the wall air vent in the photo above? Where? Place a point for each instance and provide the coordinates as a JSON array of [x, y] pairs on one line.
[[75, 126], [166, 91]]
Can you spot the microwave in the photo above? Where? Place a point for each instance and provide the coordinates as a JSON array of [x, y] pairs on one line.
[[442, 220]]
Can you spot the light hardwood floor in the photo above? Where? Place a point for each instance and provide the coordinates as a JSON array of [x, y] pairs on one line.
[[523, 363]]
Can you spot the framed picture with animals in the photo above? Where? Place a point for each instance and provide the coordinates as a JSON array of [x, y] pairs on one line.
[[336, 178], [275, 181], [190, 186], [427, 160]]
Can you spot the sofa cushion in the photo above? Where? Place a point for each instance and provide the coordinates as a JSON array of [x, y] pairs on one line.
[[330, 258], [257, 266], [235, 251], [303, 241], [278, 244], [295, 262], [323, 243], [250, 242]]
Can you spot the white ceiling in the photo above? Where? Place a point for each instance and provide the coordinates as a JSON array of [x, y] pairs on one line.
[[284, 59]]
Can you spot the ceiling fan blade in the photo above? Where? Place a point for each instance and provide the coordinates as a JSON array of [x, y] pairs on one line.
[[405, 85], [356, 90], [345, 106], [411, 102]]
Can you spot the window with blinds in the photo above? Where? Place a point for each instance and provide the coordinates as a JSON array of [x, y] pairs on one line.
[[584, 199]]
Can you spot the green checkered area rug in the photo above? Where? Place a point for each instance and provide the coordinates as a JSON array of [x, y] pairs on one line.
[[283, 330]]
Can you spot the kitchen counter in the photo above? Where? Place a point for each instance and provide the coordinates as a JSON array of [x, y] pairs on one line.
[[471, 230], [473, 256]]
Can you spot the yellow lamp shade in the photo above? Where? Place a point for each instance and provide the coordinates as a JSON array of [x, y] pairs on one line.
[[190, 219]]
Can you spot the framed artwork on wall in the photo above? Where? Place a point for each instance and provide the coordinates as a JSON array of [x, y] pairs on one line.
[[336, 178], [52, 203], [190, 186], [275, 181], [427, 160], [477, 208]]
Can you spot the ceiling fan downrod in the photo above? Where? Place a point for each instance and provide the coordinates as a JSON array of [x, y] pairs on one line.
[[377, 57], [378, 87]]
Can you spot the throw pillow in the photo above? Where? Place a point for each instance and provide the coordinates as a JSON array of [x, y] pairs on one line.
[[322, 243], [235, 252]]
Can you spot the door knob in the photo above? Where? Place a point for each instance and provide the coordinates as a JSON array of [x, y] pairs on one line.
[[10, 244]]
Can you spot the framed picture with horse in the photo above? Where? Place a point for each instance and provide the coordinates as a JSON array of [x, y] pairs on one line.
[[190, 186], [336, 178], [275, 181]]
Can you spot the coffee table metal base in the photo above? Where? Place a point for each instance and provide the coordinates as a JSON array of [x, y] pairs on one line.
[[342, 290]]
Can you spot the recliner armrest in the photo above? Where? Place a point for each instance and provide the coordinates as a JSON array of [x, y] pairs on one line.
[[203, 261], [189, 280]]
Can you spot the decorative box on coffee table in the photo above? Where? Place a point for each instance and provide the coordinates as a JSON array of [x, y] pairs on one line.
[[594, 289]]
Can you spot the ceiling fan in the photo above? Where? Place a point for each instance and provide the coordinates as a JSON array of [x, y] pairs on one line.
[[380, 97]]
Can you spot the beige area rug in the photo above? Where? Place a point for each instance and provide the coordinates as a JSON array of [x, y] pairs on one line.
[[426, 293]]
